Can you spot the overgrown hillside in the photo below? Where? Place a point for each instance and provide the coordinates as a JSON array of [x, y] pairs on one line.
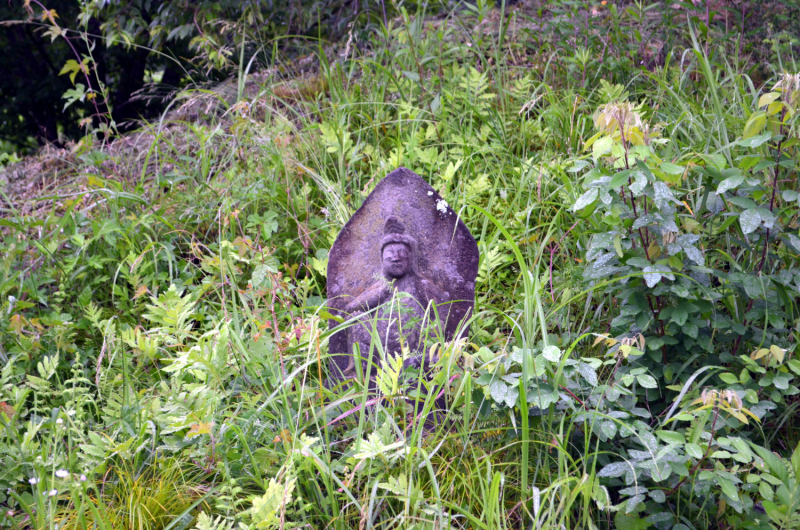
[[629, 171]]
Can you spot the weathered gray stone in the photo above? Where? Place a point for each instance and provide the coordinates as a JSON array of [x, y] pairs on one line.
[[402, 252]]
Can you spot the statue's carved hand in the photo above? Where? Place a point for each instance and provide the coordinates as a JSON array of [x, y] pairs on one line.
[[371, 298]]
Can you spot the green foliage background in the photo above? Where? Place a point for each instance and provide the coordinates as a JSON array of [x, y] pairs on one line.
[[143, 52]]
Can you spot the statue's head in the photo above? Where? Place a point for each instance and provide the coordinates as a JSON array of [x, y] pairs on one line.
[[397, 250]]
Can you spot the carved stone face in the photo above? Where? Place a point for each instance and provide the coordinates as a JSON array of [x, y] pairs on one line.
[[396, 261]]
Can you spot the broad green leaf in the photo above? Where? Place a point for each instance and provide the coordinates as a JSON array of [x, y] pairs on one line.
[[602, 146], [647, 381], [659, 496], [694, 254], [727, 487], [671, 437], [619, 179], [774, 462], [730, 183], [672, 169], [652, 275], [749, 220], [768, 98], [552, 353], [579, 165], [694, 450], [615, 469], [766, 491], [796, 461], [498, 390], [586, 199], [625, 521], [756, 141], [754, 126], [587, 372]]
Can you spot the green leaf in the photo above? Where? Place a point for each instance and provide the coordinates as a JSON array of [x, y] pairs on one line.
[[72, 67], [498, 390], [749, 220], [781, 381], [618, 246], [766, 491], [727, 487], [671, 437], [691, 329], [672, 169], [743, 202], [694, 450], [651, 276], [601, 147], [552, 353], [647, 381], [619, 179], [615, 469], [74, 94], [729, 378], [586, 199], [659, 496], [794, 365], [579, 165], [587, 372], [730, 183], [755, 124], [625, 521], [768, 98], [796, 461], [679, 315], [755, 141], [773, 461]]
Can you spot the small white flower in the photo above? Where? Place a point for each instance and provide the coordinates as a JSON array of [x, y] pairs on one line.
[[503, 194], [83, 478], [62, 473], [33, 480], [442, 205], [59, 421], [10, 513], [53, 493], [430, 193]]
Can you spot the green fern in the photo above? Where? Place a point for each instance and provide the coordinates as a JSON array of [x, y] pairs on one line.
[[171, 311], [206, 522], [389, 376]]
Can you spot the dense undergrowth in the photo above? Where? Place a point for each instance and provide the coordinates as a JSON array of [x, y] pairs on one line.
[[630, 176]]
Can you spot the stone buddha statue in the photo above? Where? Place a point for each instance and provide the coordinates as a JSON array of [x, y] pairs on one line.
[[401, 271], [400, 305]]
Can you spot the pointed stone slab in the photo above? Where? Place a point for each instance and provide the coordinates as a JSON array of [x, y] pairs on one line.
[[446, 252]]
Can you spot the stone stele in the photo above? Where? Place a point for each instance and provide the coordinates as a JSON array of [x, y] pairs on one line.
[[402, 252]]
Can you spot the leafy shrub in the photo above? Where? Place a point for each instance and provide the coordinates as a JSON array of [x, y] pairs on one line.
[[700, 259]]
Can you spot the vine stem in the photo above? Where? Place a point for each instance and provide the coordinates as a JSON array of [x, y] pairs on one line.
[[83, 69], [774, 191], [633, 201], [766, 237]]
